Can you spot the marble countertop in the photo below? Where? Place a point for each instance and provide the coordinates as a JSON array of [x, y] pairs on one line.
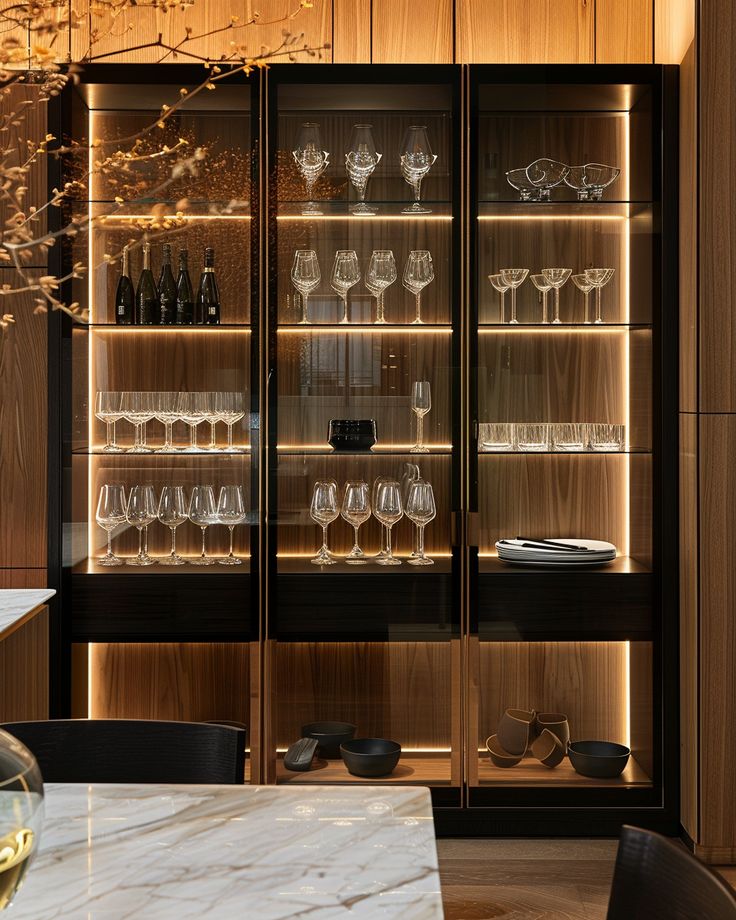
[[17, 603], [269, 852]]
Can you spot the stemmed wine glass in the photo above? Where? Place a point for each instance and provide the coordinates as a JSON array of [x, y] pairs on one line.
[[345, 274], [191, 410], [557, 277], [501, 287], [421, 403], [230, 512], [381, 274], [108, 410], [420, 509], [141, 512], [416, 159], [544, 287], [137, 408], [513, 278], [544, 174], [356, 509], [230, 409], [418, 273], [584, 284], [324, 511], [599, 278], [172, 511], [360, 161], [388, 509], [110, 513], [165, 411], [311, 161], [305, 276], [203, 513], [209, 410], [383, 552]]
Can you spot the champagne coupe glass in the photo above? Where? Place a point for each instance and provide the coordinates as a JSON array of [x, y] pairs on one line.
[[165, 409], [134, 408], [110, 513], [557, 277], [575, 179], [513, 278], [518, 179], [203, 513], [418, 273], [324, 511], [421, 403], [360, 161], [388, 509], [230, 512], [312, 161], [499, 286], [141, 512], [599, 278], [230, 409], [305, 276], [545, 174], [108, 410], [356, 509], [381, 274], [416, 158], [383, 552], [544, 287], [598, 176], [420, 509], [345, 274], [584, 284], [172, 511]]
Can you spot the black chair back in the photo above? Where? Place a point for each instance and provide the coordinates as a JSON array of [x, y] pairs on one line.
[[657, 879], [133, 751]]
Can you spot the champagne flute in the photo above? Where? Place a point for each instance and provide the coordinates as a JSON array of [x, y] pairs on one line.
[[421, 403], [108, 410], [420, 509], [324, 511], [360, 162], [311, 160], [544, 287], [230, 409], [172, 511], [513, 278], [584, 284], [305, 276], [345, 274], [203, 512], [388, 510], [501, 287], [230, 512], [110, 513], [141, 512], [165, 409], [418, 273], [381, 274], [416, 158], [356, 509], [557, 277], [599, 278]]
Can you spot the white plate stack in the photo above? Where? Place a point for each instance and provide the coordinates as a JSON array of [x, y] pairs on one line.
[[561, 551]]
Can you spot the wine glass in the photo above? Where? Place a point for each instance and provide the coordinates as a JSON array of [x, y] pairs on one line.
[[420, 509], [599, 278], [544, 287], [230, 512], [110, 513], [513, 278], [575, 179], [207, 401], [388, 509], [383, 552], [360, 161], [312, 161], [345, 274], [134, 407], [557, 277], [189, 408], [141, 512], [230, 408], [418, 273], [416, 158], [203, 513], [544, 174], [305, 276], [381, 274], [584, 284], [501, 287], [172, 511], [108, 410], [356, 509], [165, 411], [518, 179], [598, 176], [421, 403], [324, 511]]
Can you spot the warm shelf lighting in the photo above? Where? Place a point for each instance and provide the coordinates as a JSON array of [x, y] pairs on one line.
[[526, 217], [366, 329], [98, 449], [177, 330], [104, 218], [563, 328], [302, 557], [375, 451], [365, 217]]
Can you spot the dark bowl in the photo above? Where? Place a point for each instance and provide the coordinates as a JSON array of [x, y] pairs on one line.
[[352, 434], [599, 759], [330, 736], [370, 756]]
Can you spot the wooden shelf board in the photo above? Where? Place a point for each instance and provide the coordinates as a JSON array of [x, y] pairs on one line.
[[530, 772], [413, 769]]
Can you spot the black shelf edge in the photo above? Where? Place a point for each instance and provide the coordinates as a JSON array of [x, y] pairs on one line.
[[554, 327], [374, 327]]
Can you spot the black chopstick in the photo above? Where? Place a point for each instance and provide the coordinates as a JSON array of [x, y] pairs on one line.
[[530, 543]]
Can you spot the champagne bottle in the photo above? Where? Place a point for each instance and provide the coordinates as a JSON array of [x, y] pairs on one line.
[[167, 289], [184, 292], [146, 298], [125, 295], [208, 297]]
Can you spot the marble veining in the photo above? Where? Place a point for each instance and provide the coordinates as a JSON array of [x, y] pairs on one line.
[[15, 603], [267, 852]]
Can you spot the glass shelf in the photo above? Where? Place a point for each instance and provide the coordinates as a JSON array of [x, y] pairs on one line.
[[242, 328], [399, 450], [599, 328], [588, 210], [373, 328], [386, 210], [562, 453], [242, 451]]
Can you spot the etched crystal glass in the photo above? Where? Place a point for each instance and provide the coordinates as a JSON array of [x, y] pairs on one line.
[[311, 161]]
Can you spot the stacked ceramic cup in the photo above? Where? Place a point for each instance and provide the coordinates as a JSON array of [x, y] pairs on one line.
[[545, 734]]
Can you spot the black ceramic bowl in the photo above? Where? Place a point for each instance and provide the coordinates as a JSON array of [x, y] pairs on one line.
[[352, 434], [330, 736], [600, 759], [370, 756]]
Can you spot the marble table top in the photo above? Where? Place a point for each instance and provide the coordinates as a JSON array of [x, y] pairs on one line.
[[16, 603], [267, 852]]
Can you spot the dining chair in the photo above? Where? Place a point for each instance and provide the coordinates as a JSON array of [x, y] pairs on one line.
[[657, 879], [133, 751]]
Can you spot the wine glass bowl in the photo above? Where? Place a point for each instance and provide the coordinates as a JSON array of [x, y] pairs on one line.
[[418, 273], [345, 275], [111, 512], [544, 174], [356, 509], [323, 511], [172, 511], [513, 278], [388, 509], [231, 512], [165, 412], [381, 274], [557, 277], [360, 162], [518, 179], [416, 158], [141, 511], [311, 161], [305, 276], [135, 408], [108, 410], [420, 509], [230, 408]]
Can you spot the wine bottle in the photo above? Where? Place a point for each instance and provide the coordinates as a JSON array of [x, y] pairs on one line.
[[184, 292], [146, 298], [208, 297], [167, 289], [125, 296]]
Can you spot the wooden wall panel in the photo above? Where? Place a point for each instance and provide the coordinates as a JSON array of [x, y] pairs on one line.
[[624, 31], [403, 32], [689, 740], [674, 29], [24, 671], [689, 233], [351, 31], [23, 578]]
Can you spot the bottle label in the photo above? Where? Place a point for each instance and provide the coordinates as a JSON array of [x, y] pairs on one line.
[[212, 311]]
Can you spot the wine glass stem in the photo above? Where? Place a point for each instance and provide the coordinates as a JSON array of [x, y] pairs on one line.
[[192, 436], [230, 435], [231, 527], [418, 298], [557, 305], [379, 307], [143, 434], [140, 542], [324, 539], [503, 306], [388, 541], [598, 305], [310, 191], [109, 436], [544, 307], [213, 436], [420, 430], [305, 298], [137, 436], [145, 540], [384, 531], [344, 309], [418, 190], [204, 550], [109, 543], [586, 297], [173, 541], [513, 305], [420, 540], [169, 436], [356, 548]]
